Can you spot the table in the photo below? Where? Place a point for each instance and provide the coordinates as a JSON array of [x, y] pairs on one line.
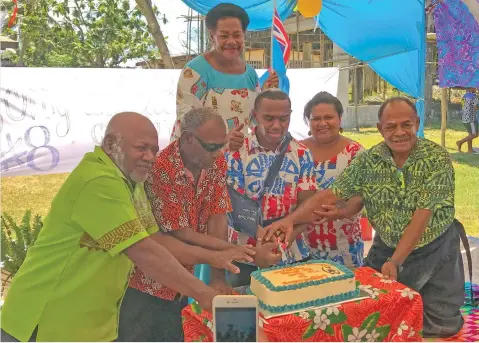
[[392, 313]]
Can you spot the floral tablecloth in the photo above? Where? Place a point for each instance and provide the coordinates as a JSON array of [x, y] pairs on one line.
[[393, 313]]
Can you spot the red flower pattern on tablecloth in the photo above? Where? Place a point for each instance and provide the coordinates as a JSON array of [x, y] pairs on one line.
[[394, 313]]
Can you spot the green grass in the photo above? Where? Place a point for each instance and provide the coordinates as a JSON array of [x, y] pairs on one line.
[[378, 98], [36, 192]]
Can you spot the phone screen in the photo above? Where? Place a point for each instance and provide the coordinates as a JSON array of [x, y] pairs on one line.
[[235, 324]]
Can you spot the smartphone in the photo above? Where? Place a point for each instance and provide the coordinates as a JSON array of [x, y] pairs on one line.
[[235, 318]]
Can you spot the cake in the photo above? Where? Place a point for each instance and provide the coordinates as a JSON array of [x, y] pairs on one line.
[[302, 285]]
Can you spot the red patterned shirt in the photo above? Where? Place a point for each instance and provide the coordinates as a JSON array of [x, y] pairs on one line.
[[177, 204]]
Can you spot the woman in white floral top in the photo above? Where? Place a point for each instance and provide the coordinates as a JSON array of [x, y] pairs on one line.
[[338, 240], [220, 78]]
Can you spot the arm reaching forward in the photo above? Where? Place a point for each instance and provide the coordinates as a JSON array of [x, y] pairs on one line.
[[159, 264], [340, 210], [304, 214]]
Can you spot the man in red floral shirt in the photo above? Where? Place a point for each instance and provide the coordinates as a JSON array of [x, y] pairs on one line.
[[188, 196]]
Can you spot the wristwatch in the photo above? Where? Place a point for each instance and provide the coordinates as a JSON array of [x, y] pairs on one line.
[[398, 265]]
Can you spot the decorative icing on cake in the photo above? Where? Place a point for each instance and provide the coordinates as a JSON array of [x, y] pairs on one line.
[[302, 285]]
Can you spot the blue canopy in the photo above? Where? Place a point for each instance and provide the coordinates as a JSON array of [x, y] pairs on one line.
[[260, 11], [390, 35]]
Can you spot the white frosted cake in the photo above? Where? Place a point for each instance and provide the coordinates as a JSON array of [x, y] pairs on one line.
[[298, 286]]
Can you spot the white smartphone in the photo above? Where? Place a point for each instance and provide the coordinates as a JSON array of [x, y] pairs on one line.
[[235, 318]]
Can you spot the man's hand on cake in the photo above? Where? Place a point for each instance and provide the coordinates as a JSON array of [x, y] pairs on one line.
[[261, 239], [224, 259], [241, 253], [267, 255], [246, 249], [390, 270], [283, 226], [328, 213]]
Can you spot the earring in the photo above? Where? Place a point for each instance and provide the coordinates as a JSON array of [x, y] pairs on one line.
[[341, 130], [309, 133]]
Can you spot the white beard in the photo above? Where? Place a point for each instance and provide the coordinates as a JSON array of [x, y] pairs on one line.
[[138, 177], [135, 176]]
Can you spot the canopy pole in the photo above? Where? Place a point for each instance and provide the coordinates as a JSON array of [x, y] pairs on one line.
[[444, 106]]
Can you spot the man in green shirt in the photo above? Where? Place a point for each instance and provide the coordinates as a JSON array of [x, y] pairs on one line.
[[72, 282], [407, 187]]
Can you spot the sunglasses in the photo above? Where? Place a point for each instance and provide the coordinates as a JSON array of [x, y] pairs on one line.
[[210, 147]]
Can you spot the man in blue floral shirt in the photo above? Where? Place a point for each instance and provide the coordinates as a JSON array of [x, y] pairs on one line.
[[295, 182]]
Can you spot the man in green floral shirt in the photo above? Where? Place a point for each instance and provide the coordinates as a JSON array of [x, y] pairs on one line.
[[407, 187]]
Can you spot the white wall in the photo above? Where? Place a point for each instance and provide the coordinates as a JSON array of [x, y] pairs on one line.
[[368, 116]]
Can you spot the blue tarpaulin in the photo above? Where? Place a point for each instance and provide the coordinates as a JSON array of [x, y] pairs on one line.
[[388, 34], [260, 11]]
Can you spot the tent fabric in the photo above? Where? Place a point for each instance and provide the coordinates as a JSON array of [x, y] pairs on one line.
[[388, 34], [260, 11], [457, 35]]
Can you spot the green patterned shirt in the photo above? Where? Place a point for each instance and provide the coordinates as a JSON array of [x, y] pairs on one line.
[[391, 195], [73, 279]]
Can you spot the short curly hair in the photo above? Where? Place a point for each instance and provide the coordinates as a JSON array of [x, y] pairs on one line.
[[197, 117], [271, 94], [226, 10], [393, 100]]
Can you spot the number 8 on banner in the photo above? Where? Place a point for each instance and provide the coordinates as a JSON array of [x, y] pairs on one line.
[[16, 158], [31, 154]]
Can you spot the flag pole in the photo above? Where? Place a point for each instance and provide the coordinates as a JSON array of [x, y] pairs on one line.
[[272, 35]]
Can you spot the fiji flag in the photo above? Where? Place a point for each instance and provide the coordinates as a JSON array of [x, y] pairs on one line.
[[280, 50]]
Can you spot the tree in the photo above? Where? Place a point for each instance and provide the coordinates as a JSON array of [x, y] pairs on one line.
[[83, 33], [148, 11]]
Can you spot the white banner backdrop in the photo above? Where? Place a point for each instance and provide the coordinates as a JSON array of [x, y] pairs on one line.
[[49, 117]]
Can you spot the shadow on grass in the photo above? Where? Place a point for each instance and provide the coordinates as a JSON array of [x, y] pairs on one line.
[[455, 125], [465, 158]]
